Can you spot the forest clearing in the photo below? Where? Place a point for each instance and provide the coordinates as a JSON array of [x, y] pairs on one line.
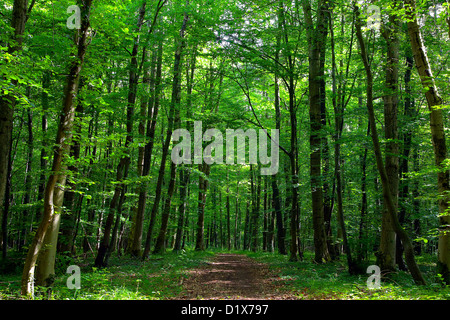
[[218, 149]]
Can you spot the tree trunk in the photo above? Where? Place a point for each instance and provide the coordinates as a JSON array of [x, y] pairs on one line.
[[386, 254], [184, 181], [184, 171], [174, 108], [44, 143], [387, 195], [403, 168], [228, 216], [203, 187], [124, 163], [155, 84], [438, 138], [293, 248], [316, 39], [274, 182], [28, 176], [68, 219], [7, 102], [61, 148], [256, 205], [362, 248]]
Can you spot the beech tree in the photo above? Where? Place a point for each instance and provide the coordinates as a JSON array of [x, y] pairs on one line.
[[435, 104], [54, 189]]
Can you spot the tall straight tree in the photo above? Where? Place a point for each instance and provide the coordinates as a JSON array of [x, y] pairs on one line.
[[387, 194], [7, 101], [406, 137], [124, 163], [152, 114], [316, 35], [62, 145], [339, 105], [175, 111], [391, 30], [274, 181], [184, 170], [289, 80], [434, 102]]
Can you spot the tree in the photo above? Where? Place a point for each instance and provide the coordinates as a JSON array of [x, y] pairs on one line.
[[53, 194], [122, 168], [390, 32], [175, 112], [316, 34], [7, 101], [152, 115], [387, 193], [434, 102]]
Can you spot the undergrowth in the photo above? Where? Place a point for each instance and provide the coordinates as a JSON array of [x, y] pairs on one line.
[[160, 278], [125, 278], [309, 280]]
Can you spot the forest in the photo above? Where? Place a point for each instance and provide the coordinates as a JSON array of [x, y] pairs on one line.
[[144, 141]]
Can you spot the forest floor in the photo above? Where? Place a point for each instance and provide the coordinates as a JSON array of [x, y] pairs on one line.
[[234, 276], [222, 275]]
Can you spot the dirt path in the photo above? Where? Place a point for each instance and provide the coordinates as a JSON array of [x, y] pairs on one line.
[[233, 276]]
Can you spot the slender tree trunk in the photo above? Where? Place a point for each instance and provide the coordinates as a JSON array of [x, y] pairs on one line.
[[173, 112], [386, 254], [68, 219], [203, 187], [61, 148], [175, 106], [184, 171], [316, 39], [387, 195], [274, 182], [44, 143], [438, 138], [404, 168], [362, 248], [271, 222], [184, 181], [416, 203], [256, 205], [28, 176], [228, 216], [155, 84], [237, 220], [7, 201], [124, 163], [293, 248], [246, 226], [7, 102]]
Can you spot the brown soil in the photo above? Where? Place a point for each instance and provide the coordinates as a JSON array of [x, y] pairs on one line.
[[236, 277]]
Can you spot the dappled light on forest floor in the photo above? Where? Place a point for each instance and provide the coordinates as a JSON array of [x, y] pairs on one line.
[[233, 276]]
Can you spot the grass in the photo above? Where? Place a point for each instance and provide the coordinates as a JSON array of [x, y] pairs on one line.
[[309, 280], [160, 277]]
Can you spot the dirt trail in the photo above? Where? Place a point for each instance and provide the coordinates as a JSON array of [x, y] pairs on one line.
[[233, 276]]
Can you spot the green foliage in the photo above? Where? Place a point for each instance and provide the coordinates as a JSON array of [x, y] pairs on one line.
[[126, 279], [234, 45], [331, 281]]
